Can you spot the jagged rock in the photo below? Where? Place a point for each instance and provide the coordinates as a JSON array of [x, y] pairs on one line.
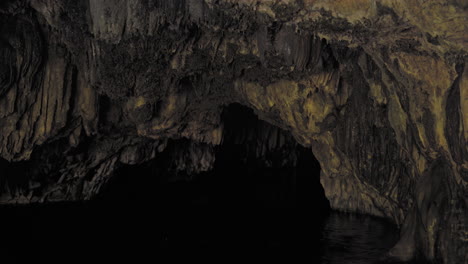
[[378, 90]]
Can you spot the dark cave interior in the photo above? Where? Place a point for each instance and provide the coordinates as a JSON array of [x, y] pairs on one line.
[[257, 166], [263, 192], [131, 128]]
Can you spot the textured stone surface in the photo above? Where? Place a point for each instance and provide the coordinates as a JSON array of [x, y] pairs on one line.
[[378, 90]]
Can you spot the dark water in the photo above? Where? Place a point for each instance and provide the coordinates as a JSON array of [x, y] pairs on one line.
[[240, 209], [349, 238], [89, 232]]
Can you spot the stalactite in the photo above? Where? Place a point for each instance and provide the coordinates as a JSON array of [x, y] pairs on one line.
[[376, 89]]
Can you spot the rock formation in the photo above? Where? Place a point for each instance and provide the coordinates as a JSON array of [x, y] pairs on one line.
[[377, 89]]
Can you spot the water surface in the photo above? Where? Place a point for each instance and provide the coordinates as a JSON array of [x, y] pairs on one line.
[[85, 232]]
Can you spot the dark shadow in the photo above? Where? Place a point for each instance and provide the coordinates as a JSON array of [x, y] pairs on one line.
[[257, 166], [264, 191]]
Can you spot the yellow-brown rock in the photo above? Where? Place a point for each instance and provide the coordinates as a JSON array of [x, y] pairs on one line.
[[377, 89]]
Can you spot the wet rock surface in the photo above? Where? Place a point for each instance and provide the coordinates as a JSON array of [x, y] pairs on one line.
[[377, 89]]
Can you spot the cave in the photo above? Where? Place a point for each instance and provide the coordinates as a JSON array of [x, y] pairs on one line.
[[333, 128], [257, 166], [263, 191], [263, 185]]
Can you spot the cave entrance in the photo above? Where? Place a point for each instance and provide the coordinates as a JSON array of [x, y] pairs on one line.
[[263, 191], [259, 165]]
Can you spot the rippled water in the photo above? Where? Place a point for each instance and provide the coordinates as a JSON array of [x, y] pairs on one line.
[[78, 233], [349, 238]]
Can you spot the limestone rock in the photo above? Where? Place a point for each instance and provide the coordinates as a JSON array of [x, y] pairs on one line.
[[377, 89]]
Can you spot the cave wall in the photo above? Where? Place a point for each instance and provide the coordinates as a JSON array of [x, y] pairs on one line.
[[378, 90]]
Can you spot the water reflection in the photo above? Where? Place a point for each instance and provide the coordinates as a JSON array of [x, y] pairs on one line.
[[350, 238], [80, 232]]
